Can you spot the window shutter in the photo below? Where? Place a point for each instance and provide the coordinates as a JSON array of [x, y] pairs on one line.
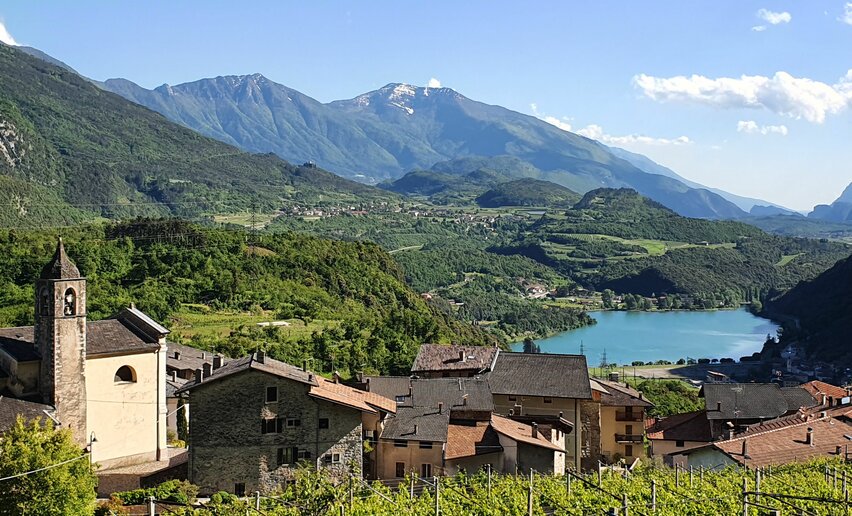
[[279, 425], [262, 426]]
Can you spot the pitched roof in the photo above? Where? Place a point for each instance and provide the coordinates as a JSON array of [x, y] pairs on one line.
[[797, 398], [60, 267], [417, 424], [469, 394], [541, 374], [11, 408], [190, 358], [689, 426], [173, 385], [618, 395], [768, 445], [732, 401], [437, 357], [104, 337], [471, 440], [387, 386], [817, 388], [521, 432], [319, 387]]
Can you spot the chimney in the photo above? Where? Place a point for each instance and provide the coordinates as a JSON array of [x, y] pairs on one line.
[[440, 407], [415, 429], [462, 356], [310, 377], [464, 400], [718, 406], [368, 384], [203, 355], [336, 377], [809, 437], [206, 368], [824, 398], [535, 430], [838, 450], [177, 355], [460, 385], [260, 356], [174, 375], [561, 414], [831, 401], [745, 449], [217, 362], [199, 376]]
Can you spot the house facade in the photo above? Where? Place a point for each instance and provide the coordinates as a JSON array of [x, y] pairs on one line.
[[103, 380], [255, 419], [622, 422]]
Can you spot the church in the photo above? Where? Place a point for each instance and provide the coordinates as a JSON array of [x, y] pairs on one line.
[[104, 380]]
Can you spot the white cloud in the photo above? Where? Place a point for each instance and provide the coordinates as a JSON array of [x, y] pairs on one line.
[[5, 37], [563, 123], [433, 83], [847, 14], [796, 97], [759, 28], [751, 127], [774, 18]]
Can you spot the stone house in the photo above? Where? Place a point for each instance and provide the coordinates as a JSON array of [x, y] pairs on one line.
[[678, 433], [733, 407], [104, 380], [254, 419]]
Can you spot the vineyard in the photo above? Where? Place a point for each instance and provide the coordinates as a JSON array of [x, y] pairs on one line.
[[815, 488]]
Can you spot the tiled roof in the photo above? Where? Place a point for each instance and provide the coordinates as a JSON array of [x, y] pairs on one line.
[[690, 426], [18, 343], [104, 337], [743, 400], [797, 398], [387, 386], [430, 424], [60, 267], [521, 432], [541, 374], [190, 358], [618, 395], [816, 388], [173, 385], [10, 408], [469, 394], [319, 387], [768, 446], [470, 440], [437, 357]]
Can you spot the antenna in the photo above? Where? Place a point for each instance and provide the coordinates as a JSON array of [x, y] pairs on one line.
[[582, 348], [603, 359]]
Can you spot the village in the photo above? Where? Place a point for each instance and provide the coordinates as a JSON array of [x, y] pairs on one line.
[[250, 423]]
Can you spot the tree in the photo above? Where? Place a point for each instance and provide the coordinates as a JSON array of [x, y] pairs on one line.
[[530, 346], [606, 297], [66, 489], [182, 430]]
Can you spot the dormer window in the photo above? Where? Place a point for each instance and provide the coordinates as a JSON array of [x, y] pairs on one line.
[[70, 302]]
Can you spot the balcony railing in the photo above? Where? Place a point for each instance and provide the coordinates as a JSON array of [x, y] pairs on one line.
[[621, 415], [628, 438]]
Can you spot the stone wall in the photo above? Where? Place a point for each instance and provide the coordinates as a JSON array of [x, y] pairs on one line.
[[590, 416], [227, 445]]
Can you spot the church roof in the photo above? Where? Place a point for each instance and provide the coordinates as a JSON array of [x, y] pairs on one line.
[[60, 267], [11, 408]]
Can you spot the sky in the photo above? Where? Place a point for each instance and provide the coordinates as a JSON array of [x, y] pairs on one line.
[[751, 97]]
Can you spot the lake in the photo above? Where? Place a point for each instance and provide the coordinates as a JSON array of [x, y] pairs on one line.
[[651, 336]]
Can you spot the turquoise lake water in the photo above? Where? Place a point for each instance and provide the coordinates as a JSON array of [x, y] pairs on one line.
[[647, 336]]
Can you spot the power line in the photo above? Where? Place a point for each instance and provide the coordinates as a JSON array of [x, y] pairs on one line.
[[44, 468]]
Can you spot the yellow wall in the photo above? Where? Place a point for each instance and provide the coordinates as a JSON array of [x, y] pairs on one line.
[[535, 405], [124, 416], [610, 427], [413, 456], [660, 447]]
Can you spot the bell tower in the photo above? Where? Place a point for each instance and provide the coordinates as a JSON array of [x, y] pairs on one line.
[[60, 339]]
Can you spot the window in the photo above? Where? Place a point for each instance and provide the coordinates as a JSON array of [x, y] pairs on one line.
[[335, 458], [287, 455], [293, 422], [304, 454], [679, 444], [425, 470], [240, 489], [399, 398], [323, 422], [270, 425], [513, 398], [628, 450], [125, 374], [70, 302], [426, 445], [548, 400], [628, 429], [400, 443], [271, 394], [400, 469]]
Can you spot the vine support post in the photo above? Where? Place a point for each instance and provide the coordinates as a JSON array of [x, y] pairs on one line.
[[257, 501], [745, 496], [568, 482], [489, 481], [411, 486], [342, 511], [690, 475], [834, 481], [757, 484], [701, 474], [677, 475], [624, 503], [653, 496], [152, 509], [437, 496], [351, 491], [530, 495], [600, 474]]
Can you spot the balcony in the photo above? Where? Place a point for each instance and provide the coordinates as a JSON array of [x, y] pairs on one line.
[[628, 438], [621, 415]]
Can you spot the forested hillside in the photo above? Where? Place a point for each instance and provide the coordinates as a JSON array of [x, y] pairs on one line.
[[70, 151], [823, 310], [347, 302]]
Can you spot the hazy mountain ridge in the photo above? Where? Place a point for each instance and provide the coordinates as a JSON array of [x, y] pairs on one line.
[[838, 211]]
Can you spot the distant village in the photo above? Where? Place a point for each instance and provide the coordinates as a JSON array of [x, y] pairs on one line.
[[127, 392]]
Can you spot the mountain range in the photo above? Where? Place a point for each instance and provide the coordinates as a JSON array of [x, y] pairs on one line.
[[838, 211], [70, 151], [398, 128]]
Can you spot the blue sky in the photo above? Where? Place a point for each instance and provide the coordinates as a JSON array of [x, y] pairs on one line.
[[751, 97]]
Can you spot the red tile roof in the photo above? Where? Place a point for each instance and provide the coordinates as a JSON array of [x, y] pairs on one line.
[[521, 433], [467, 441], [350, 396], [816, 388], [690, 426]]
